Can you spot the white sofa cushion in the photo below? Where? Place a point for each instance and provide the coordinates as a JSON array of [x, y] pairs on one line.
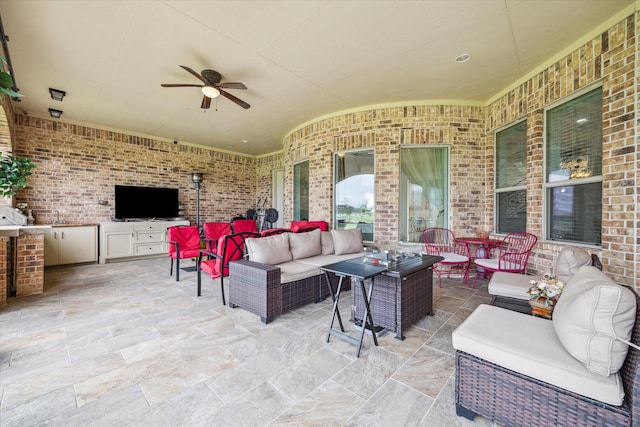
[[293, 270], [347, 241], [529, 345], [304, 245], [322, 260], [327, 242], [510, 285], [270, 250], [590, 313], [569, 260]]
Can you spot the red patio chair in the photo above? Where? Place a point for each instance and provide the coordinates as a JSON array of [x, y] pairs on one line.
[[244, 225], [213, 231], [229, 248], [442, 242], [182, 242]]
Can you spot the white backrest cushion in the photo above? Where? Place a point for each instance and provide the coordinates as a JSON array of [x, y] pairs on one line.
[[270, 250], [591, 311], [569, 260], [347, 241], [327, 243], [305, 245]]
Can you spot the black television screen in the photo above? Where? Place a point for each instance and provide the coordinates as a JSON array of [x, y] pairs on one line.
[[145, 202]]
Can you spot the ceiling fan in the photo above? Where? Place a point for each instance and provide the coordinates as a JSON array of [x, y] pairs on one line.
[[212, 87]]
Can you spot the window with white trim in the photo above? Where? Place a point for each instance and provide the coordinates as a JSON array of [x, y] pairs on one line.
[[511, 179], [573, 169], [301, 190]]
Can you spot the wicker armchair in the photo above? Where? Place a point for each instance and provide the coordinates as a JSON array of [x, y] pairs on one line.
[[513, 399]]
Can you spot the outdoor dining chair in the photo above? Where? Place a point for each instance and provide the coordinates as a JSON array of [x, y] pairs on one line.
[[442, 242], [512, 254]]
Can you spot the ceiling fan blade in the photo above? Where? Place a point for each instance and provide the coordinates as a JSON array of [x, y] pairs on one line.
[[232, 85], [238, 101], [198, 76], [178, 85], [206, 102]]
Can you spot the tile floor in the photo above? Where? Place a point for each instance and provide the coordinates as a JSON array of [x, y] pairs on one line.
[[124, 344]]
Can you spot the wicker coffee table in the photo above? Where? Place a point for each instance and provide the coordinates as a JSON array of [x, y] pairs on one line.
[[403, 294]]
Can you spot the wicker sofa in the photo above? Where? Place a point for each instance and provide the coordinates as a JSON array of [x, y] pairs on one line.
[[517, 369], [282, 271]]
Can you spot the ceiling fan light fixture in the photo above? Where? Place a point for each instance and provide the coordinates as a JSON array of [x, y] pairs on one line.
[[210, 91]]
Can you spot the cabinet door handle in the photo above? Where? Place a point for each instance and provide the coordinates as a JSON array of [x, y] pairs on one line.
[[55, 235], [62, 235]]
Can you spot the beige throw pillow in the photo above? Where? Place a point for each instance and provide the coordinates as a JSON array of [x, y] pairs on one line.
[[327, 243], [590, 313], [270, 250], [305, 245], [347, 241], [569, 260]]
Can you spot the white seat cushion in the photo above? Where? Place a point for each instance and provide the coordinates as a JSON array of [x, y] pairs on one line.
[[510, 285], [492, 263], [453, 258], [529, 345], [292, 271], [322, 260]]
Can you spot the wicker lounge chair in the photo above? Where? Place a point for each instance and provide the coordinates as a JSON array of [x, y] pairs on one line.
[[514, 399]]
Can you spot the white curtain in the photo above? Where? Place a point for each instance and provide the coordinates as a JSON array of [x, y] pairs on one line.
[[427, 168]]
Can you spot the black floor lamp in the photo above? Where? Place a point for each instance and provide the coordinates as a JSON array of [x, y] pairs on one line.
[[196, 177]]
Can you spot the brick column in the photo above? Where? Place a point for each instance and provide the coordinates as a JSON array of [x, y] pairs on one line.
[[30, 264]]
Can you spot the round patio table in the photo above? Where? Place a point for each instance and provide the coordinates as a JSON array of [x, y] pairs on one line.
[[484, 244]]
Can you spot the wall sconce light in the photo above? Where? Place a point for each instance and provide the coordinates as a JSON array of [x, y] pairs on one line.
[[57, 94], [55, 113]]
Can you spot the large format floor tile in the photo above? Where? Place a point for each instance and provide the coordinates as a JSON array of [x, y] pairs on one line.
[[125, 344]]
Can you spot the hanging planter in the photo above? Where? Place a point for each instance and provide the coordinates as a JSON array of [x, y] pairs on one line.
[[14, 172]]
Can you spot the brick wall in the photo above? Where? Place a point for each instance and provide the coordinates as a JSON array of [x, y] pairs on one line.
[[79, 165], [608, 59]]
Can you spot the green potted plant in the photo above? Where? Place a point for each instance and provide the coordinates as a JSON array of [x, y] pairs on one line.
[[6, 82], [14, 172]]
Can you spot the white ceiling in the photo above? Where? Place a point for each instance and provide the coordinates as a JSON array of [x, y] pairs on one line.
[[299, 59]]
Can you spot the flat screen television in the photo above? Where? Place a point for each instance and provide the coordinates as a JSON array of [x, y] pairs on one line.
[[133, 202]]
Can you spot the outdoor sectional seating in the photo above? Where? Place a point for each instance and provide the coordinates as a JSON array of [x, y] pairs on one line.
[[282, 271], [573, 370]]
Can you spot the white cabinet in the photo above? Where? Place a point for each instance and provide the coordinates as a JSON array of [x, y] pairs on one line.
[[71, 245], [130, 240]]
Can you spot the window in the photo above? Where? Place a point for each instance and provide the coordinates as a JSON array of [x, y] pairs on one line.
[[573, 169], [301, 191], [424, 189], [511, 179], [354, 192]]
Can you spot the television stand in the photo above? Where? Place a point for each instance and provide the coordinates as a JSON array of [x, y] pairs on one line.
[[124, 241]]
